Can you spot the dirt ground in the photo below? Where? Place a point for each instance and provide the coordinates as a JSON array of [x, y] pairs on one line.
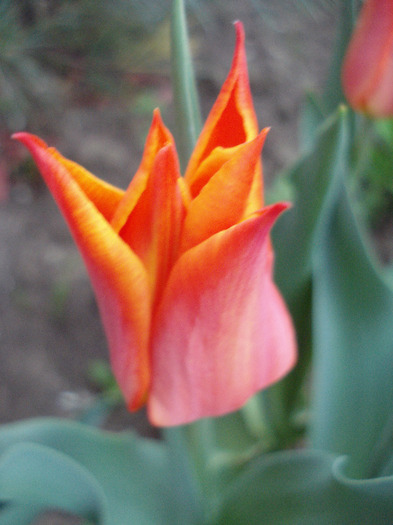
[[49, 328]]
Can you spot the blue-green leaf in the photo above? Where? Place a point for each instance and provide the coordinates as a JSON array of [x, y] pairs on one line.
[[18, 514], [306, 488], [295, 236], [115, 478], [353, 343], [36, 476]]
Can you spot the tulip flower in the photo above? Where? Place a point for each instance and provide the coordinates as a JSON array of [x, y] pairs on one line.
[[182, 267], [367, 74]]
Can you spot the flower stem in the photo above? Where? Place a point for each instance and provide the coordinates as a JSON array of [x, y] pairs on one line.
[[188, 120]]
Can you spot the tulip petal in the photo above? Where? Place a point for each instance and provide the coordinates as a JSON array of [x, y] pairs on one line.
[[103, 195], [368, 67], [153, 228], [223, 201], [232, 119], [221, 331], [118, 277], [158, 137]]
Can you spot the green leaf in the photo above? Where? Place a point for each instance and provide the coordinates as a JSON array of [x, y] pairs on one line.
[[306, 488], [188, 118], [353, 342], [312, 178], [333, 95], [372, 161], [207, 455], [310, 119], [34, 475], [294, 238], [117, 478], [17, 514]]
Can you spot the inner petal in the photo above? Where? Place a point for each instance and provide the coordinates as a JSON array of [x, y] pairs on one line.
[[152, 229], [157, 138], [225, 198]]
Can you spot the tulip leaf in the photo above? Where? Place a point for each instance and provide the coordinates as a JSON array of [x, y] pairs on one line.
[[112, 478], [18, 514], [311, 177], [333, 95], [310, 119], [353, 343], [208, 454], [294, 238], [304, 488], [30, 475]]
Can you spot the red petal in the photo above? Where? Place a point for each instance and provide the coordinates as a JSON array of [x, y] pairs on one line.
[[153, 228], [232, 119], [103, 195], [368, 67], [222, 331], [118, 277], [224, 200], [158, 137]]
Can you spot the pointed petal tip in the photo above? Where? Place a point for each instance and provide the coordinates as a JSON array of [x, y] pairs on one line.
[[271, 213], [240, 33], [283, 205], [277, 208], [28, 139], [261, 137], [240, 39], [19, 135], [157, 115], [157, 124]]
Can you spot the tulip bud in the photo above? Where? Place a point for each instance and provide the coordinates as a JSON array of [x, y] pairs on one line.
[[367, 74]]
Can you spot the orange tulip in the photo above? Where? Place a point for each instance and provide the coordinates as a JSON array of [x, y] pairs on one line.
[[182, 267], [367, 74]]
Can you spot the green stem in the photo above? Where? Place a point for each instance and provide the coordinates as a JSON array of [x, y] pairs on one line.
[[188, 121], [191, 447]]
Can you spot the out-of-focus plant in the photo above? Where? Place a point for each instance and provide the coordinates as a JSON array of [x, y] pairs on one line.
[[22, 80], [367, 77], [84, 50], [367, 70], [93, 43]]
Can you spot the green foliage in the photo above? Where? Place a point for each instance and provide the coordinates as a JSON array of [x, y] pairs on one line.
[[306, 488], [188, 118], [295, 237], [23, 82], [95, 44], [372, 179], [353, 333], [111, 479]]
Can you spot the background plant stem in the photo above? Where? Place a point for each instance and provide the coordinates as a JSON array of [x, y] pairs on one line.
[[187, 112]]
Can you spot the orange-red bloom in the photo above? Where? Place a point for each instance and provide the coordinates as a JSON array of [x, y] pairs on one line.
[[367, 73], [182, 267]]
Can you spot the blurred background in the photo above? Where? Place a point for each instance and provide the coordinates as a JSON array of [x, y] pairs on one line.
[[86, 75]]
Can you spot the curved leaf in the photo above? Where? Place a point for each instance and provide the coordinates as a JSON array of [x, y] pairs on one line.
[[17, 514], [294, 239], [121, 478], [353, 342], [305, 488], [39, 477]]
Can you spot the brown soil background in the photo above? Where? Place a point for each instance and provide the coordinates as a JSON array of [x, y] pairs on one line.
[[49, 328]]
